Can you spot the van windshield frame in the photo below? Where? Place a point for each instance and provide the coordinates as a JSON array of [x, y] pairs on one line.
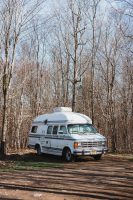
[[81, 129]]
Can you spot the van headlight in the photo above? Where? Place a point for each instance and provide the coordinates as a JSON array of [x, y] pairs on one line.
[[76, 145]]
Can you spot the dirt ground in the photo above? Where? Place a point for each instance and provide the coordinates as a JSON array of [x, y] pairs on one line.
[[110, 178]]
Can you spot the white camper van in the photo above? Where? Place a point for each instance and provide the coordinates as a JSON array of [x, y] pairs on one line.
[[66, 133]]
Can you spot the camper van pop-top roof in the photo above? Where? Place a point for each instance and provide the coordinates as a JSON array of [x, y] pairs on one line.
[[63, 115]]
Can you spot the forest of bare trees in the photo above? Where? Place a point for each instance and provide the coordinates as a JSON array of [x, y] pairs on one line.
[[74, 53]]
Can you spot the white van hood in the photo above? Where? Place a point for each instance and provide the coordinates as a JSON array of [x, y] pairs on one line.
[[89, 136]]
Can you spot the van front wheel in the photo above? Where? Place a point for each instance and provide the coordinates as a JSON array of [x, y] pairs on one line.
[[67, 155]]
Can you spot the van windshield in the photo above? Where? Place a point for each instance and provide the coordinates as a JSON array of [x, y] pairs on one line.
[[81, 129]]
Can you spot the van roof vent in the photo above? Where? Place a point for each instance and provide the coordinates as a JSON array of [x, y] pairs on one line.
[[62, 109]]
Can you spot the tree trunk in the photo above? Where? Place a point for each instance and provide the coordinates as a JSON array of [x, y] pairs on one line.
[[74, 98], [4, 127]]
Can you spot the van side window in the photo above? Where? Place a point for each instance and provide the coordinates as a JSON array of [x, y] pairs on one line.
[[49, 130], [34, 129], [63, 128], [55, 130]]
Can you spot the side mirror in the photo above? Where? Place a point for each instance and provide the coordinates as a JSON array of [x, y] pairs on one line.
[[60, 132]]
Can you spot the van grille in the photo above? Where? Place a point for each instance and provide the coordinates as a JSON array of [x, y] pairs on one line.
[[92, 144]]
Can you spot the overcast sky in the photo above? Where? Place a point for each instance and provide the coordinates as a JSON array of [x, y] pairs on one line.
[[51, 5]]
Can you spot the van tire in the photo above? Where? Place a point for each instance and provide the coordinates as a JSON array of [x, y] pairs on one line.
[[97, 157], [38, 149], [67, 155]]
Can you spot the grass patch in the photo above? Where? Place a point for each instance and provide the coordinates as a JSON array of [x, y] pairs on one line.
[[6, 169], [122, 156], [36, 165], [23, 165]]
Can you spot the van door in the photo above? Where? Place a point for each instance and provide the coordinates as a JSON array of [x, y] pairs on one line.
[[48, 136], [63, 137], [55, 141]]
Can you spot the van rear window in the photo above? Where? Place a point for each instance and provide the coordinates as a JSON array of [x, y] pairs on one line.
[[34, 129]]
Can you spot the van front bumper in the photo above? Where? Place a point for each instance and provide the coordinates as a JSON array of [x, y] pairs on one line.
[[84, 152]]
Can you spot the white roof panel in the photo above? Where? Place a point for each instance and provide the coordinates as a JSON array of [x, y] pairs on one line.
[[66, 117]]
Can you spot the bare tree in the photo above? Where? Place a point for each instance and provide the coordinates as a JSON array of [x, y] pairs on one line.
[[76, 49], [92, 9], [15, 16]]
